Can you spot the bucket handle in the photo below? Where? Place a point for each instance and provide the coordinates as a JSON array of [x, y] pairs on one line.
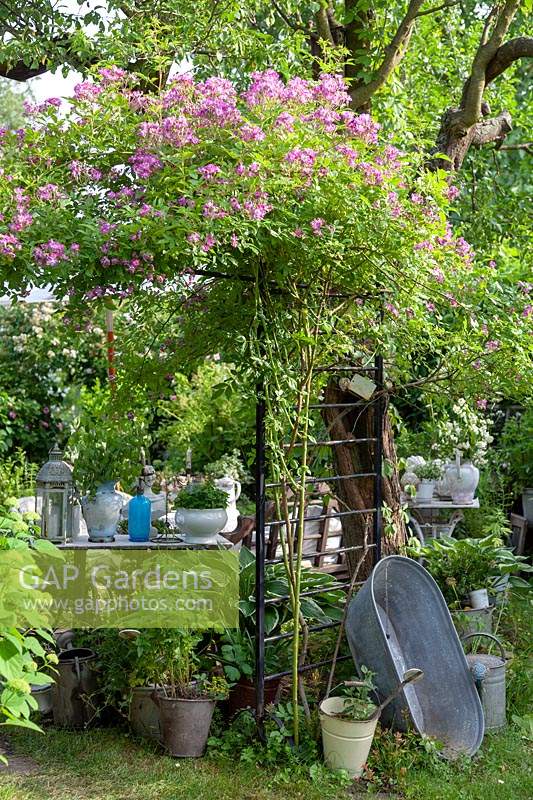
[[488, 636]]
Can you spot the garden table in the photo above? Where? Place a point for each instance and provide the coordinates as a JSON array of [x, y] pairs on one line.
[[436, 517], [123, 543]]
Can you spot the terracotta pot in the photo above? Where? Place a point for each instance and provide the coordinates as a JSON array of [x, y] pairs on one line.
[[242, 695]]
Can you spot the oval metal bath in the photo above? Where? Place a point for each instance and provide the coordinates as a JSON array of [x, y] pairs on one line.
[[399, 620]]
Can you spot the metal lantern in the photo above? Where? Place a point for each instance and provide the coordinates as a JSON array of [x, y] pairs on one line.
[[54, 498]]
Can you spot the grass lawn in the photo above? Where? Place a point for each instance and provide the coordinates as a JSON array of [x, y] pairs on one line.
[[106, 764]]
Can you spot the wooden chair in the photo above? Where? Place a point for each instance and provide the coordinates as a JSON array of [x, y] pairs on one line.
[[518, 533]]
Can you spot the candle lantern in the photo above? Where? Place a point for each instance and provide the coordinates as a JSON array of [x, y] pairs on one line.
[[54, 498]]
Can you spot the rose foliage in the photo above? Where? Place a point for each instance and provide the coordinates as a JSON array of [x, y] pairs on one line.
[[115, 193]]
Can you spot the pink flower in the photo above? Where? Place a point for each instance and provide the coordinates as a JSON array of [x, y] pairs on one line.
[[298, 233], [50, 254], [362, 126], [87, 91], [303, 156], [209, 171], [392, 309], [416, 198], [332, 90], [491, 345], [209, 243], [316, 225], [492, 264], [265, 86], [477, 364], [144, 163], [48, 192], [12, 414], [252, 133], [481, 403], [527, 312], [430, 307], [193, 238], [234, 240], [111, 74], [438, 275], [285, 120], [451, 193]]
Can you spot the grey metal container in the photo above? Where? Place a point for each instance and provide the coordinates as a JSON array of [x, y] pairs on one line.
[[75, 683], [144, 713], [492, 688], [399, 620]]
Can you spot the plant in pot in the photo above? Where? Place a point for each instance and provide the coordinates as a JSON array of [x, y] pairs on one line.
[[237, 656], [428, 474], [105, 450], [237, 653], [185, 696], [461, 567], [201, 512], [348, 723]]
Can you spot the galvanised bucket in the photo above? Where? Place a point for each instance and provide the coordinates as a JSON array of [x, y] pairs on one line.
[[75, 682], [492, 685], [399, 620]]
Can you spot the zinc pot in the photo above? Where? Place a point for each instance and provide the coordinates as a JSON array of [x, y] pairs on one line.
[[201, 525], [527, 504], [185, 724], [144, 713], [44, 697], [479, 598], [75, 683], [346, 742], [424, 491], [242, 695]]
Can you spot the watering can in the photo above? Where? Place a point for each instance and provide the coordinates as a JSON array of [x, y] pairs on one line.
[[488, 672]]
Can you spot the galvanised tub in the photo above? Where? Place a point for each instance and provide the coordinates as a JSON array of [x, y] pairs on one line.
[[399, 620]]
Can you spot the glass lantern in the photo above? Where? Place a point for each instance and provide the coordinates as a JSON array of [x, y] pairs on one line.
[[54, 498]]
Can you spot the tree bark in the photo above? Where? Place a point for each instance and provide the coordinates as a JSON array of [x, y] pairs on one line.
[[358, 493]]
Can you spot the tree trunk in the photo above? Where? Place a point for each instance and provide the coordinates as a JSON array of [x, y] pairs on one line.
[[358, 493]]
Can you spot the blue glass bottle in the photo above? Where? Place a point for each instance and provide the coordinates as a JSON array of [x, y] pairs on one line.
[[139, 517]]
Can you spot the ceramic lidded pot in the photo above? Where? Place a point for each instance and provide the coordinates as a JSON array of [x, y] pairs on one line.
[[102, 512]]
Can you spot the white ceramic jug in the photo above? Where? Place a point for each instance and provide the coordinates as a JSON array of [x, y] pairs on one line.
[[462, 482], [233, 490]]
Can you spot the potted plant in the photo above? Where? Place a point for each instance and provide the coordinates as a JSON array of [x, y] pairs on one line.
[[348, 724], [428, 475], [462, 566], [201, 512], [237, 655], [185, 696]]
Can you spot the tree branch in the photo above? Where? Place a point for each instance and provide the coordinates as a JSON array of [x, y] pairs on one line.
[[507, 54], [394, 52], [527, 146], [438, 8], [475, 86]]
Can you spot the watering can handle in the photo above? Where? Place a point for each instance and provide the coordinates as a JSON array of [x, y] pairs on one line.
[[488, 636]]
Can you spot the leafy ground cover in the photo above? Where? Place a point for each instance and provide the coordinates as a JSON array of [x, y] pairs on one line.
[[107, 765]]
